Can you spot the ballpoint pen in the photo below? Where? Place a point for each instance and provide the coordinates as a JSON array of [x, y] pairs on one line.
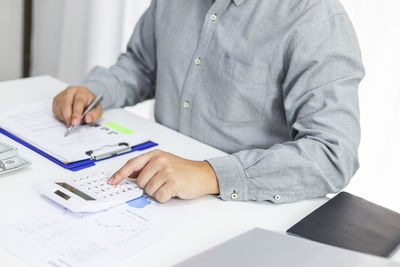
[[89, 108]]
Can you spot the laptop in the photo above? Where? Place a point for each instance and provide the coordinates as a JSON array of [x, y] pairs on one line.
[[259, 247]]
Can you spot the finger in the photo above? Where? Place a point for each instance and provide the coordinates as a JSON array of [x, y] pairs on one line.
[[154, 184], [78, 106], [147, 173], [66, 112], [55, 106], [62, 104], [94, 114], [57, 109], [164, 194], [66, 107], [133, 165]]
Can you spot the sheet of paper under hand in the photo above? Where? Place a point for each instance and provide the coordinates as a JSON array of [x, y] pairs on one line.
[[36, 124]]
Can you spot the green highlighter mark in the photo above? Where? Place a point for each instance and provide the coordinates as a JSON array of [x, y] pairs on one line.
[[119, 128]]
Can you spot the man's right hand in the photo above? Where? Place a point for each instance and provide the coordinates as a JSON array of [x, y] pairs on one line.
[[68, 106]]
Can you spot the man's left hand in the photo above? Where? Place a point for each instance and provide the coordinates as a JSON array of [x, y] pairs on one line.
[[163, 176]]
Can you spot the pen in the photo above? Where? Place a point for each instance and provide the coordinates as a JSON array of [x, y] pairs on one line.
[[89, 108]]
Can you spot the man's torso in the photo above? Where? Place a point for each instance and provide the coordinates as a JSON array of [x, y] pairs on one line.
[[221, 66]]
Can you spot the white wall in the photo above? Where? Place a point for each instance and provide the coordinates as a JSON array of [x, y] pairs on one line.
[[377, 25], [11, 15]]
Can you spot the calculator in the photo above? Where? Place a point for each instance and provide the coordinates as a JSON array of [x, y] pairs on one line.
[[90, 192]]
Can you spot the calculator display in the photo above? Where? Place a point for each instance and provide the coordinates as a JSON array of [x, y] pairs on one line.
[[75, 191]]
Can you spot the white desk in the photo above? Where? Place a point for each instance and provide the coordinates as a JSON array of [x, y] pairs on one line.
[[224, 220]]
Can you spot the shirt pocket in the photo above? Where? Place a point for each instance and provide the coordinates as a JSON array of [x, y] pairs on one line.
[[238, 90]]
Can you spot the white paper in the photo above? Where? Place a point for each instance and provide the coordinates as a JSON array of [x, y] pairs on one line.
[[45, 234], [36, 124]]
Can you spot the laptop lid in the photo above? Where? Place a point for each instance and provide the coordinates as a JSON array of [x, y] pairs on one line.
[[259, 247]]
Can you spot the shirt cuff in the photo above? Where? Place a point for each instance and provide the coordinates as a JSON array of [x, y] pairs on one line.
[[231, 177]]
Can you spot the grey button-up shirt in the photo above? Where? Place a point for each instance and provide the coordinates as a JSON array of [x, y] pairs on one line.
[[272, 82]]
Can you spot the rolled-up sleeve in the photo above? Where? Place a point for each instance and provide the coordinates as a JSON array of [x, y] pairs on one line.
[[320, 95], [132, 78]]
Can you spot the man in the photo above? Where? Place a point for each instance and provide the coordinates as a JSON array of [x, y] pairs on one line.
[[273, 83]]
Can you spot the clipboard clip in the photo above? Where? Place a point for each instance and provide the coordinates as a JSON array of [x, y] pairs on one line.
[[108, 151]]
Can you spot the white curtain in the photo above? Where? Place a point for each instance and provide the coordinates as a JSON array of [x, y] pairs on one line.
[[72, 36]]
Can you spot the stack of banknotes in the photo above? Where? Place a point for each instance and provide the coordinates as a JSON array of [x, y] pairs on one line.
[[10, 160]]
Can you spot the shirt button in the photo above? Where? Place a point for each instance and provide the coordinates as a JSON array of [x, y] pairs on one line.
[[234, 195], [277, 197], [213, 17], [197, 61], [186, 104]]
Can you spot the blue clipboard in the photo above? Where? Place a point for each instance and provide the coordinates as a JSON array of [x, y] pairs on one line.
[[77, 165]]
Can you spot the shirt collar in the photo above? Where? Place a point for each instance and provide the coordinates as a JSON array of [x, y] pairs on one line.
[[238, 2]]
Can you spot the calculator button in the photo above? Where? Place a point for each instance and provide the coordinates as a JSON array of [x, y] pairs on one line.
[[97, 185]]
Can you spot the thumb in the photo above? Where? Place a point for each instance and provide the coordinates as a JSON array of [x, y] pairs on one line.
[[94, 114]]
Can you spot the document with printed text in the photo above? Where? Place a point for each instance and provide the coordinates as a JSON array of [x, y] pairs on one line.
[[36, 125], [46, 234]]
